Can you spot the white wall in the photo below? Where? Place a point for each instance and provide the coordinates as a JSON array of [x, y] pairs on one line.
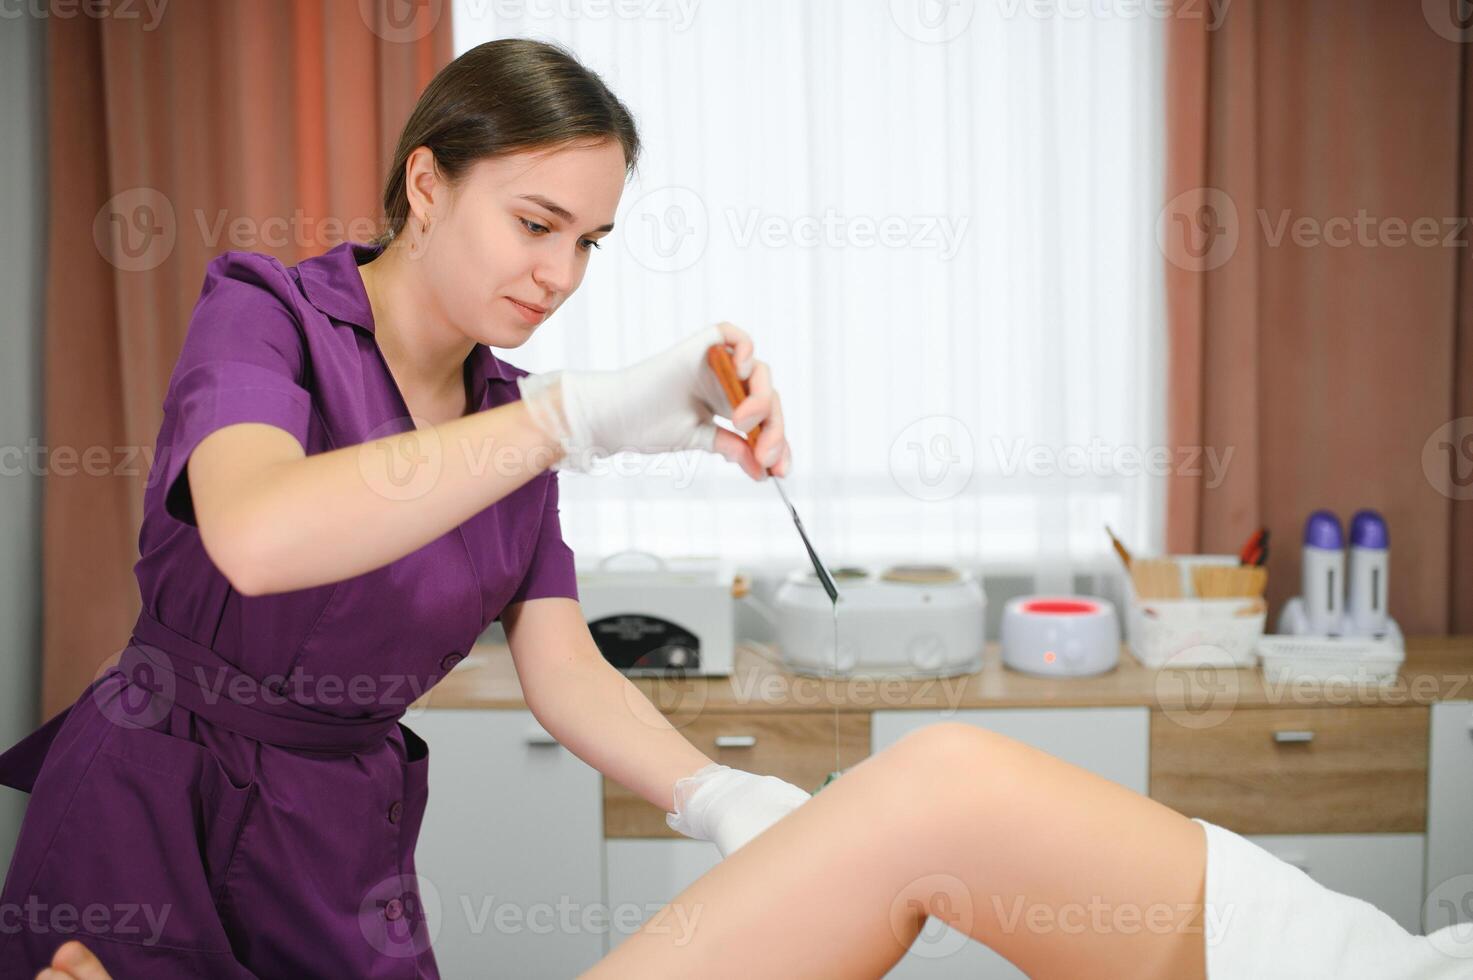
[[22, 269]]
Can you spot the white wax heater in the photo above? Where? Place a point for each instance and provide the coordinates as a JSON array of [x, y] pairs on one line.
[[1060, 636]]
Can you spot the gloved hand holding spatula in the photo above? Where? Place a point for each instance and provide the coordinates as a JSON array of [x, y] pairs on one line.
[[664, 403]]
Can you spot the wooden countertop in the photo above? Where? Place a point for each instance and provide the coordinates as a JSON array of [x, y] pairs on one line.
[[1437, 668]]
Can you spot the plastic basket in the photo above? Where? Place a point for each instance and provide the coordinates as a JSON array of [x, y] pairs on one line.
[[1190, 631]]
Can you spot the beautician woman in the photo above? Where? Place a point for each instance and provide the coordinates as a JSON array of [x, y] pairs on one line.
[[348, 488]]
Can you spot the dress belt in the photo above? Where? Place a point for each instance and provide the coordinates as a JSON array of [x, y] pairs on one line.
[[196, 677]]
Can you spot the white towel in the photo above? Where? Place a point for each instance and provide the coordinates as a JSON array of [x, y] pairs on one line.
[[1267, 920]]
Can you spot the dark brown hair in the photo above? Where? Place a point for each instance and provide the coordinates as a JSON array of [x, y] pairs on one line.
[[501, 97]]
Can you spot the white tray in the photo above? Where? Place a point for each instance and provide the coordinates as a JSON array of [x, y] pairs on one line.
[[1358, 660]]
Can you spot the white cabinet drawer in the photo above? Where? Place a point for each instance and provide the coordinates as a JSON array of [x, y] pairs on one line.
[[1112, 742], [512, 846], [642, 874], [1383, 869], [1449, 873]]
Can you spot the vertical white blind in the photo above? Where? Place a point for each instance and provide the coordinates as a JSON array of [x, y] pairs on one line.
[[938, 223]]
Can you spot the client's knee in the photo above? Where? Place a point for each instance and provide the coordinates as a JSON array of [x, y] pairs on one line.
[[952, 760], [950, 741]]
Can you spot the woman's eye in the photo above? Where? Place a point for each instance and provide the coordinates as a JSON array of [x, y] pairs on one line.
[[538, 229]]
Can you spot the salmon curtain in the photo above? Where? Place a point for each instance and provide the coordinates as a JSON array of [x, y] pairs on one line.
[[260, 125], [1318, 285]]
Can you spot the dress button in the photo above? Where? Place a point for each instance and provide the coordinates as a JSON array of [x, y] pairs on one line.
[[450, 660], [393, 909], [396, 810]]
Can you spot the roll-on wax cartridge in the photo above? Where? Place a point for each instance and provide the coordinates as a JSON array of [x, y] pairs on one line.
[[1369, 564], [1323, 574]]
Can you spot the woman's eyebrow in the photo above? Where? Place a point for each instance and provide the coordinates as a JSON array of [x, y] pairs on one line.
[[559, 210]]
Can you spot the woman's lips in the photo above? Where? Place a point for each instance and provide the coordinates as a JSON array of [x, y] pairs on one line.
[[526, 312]]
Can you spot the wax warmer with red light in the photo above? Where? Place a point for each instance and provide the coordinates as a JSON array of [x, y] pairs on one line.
[[1060, 636]]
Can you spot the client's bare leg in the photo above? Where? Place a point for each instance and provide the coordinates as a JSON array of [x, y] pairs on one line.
[[1063, 872]]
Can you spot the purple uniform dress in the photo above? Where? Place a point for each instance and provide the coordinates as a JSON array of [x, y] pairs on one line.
[[237, 797]]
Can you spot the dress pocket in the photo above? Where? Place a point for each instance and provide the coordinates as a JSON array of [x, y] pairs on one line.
[[416, 782], [147, 834], [194, 783]]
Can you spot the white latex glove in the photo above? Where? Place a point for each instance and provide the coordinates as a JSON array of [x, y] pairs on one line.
[[730, 806], [664, 403]]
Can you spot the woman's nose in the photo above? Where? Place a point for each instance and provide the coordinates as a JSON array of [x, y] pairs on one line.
[[557, 275]]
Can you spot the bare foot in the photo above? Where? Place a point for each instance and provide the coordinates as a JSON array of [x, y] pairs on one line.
[[73, 961]]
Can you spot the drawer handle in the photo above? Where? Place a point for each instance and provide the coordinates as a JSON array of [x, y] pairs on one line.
[[538, 736], [735, 741], [1293, 736]]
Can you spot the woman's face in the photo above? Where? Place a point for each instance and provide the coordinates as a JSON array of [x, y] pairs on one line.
[[511, 242]]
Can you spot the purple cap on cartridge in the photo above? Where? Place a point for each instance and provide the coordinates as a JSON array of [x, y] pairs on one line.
[[1322, 530], [1368, 530]]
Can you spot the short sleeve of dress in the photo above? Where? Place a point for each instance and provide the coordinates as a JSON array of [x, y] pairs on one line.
[[243, 360], [551, 572]]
